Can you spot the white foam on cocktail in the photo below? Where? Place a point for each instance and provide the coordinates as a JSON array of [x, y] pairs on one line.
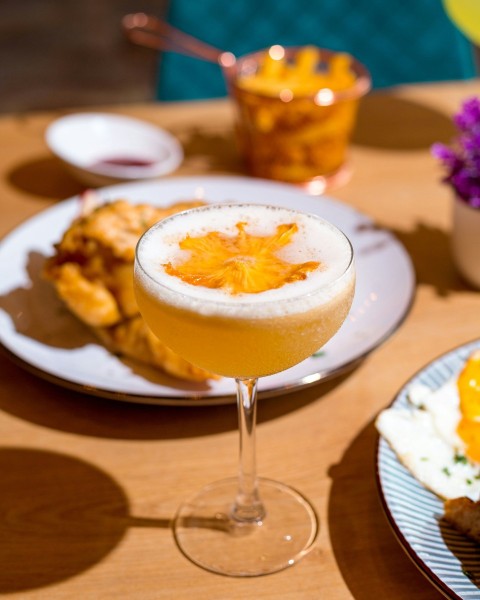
[[316, 240]]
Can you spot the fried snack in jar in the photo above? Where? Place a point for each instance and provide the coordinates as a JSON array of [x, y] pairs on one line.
[[296, 110]]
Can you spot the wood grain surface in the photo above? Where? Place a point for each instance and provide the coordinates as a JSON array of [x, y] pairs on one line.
[[88, 487]]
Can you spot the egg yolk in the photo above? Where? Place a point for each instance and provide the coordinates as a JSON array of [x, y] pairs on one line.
[[469, 431], [468, 385]]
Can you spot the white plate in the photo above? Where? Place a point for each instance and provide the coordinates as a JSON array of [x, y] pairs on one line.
[[448, 559], [37, 330]]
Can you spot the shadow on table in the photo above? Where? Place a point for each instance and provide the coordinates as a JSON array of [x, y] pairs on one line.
[[430, 251], [393, 123], [60, 516], [210, 150], [372, 562], [35, 400], [206, 151], [464, 549], [44, 177]]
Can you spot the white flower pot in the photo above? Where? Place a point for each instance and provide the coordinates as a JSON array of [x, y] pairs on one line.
[[466, 241]]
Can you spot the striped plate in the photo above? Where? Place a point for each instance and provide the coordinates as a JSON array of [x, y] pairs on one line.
[[449, 560]]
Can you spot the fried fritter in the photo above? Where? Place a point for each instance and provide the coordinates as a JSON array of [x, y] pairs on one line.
[[464, 515], [92, 271], [134, 339]]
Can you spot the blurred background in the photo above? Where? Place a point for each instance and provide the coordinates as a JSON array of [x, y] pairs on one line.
[[63, 53], [73, 53]]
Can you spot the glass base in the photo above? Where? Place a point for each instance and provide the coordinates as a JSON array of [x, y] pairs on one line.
[[323, 183], [208, 535]]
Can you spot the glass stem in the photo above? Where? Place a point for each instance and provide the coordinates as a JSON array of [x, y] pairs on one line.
[[248, 507]]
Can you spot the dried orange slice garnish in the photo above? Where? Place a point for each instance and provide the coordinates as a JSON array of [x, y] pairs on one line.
[[242, 263]]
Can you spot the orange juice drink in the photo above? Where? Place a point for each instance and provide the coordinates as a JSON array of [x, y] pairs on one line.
[[244, 290]]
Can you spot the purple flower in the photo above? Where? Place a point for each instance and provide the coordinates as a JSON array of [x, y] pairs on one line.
[[462, 160], [469, 117]]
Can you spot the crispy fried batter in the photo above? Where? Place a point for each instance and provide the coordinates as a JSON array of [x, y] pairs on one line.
[[92, 270], [134, 339], [464, 515], [89, 299]]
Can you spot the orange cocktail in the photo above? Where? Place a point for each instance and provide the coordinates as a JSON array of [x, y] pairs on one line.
[[245, 290], [239, 327]]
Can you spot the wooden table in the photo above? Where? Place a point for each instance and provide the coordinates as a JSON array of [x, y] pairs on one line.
[[88, 486]]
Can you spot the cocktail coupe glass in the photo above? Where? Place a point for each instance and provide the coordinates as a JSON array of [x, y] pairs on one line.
[[245, 526]]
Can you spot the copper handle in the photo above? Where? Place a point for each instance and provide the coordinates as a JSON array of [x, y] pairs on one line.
[[152, 32]]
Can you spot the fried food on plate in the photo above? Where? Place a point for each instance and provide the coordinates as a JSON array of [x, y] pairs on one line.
[[92, 271], [464, 515]]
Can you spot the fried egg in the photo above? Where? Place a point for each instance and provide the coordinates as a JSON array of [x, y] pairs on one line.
[[437, 438]]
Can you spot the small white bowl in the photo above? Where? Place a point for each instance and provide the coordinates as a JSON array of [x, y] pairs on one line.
[[101, 148]]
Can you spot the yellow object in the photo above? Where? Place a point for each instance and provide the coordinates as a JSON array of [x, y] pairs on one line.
[[469, 431], [465, 14], [304, 75], [469, 388], [306, 62], [468, 385], [236, 347]]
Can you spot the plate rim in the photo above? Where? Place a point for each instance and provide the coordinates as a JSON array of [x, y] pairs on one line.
[[189, 398], [426, 571]]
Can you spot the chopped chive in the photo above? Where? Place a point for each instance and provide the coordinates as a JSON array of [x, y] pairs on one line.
[[446, 470]]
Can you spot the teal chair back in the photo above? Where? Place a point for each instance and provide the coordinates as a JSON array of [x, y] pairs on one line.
[[399, 41]]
